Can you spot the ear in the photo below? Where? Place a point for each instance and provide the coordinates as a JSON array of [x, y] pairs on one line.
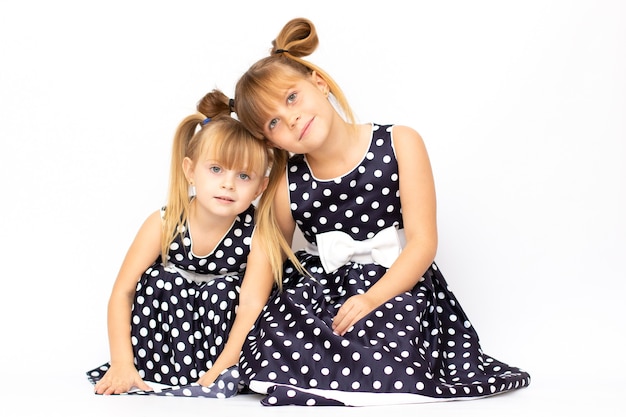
[[262, 186], [188, 168], [320, 83]]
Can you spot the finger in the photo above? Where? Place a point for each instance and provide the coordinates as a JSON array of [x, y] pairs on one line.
[[143, 386], [341, 329], [340, 317], [345, 310], [346, 325], [348, 328], [101, 387], [345, 322]]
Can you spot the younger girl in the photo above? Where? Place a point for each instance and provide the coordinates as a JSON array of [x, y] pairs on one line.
[[174, 300], [373, 320]]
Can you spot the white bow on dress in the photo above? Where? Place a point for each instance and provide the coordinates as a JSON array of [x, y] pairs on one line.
[[336, 248]]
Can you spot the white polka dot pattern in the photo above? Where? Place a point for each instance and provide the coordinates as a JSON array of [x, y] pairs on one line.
[[179, 325], [419, 344]]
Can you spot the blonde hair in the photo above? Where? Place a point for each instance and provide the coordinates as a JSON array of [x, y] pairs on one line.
[[263, 84], [211, 131]]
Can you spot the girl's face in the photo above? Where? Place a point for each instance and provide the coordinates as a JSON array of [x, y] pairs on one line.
[[223, 192], [299, 122]]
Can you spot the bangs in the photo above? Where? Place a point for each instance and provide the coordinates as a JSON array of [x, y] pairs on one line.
[[237, 150], [267, 85]]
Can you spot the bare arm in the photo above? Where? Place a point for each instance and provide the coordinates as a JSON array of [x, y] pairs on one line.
[[283, 211], [419, 211], [122, 376], [255, 291]]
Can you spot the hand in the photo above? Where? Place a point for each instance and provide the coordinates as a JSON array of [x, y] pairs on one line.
[[209, 377], [120, 379], [353, 310]]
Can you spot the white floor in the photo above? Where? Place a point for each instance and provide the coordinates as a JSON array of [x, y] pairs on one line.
[[51, 394]]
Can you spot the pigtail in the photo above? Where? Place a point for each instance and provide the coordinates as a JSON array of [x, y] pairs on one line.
[[275, 244], [178, 201]]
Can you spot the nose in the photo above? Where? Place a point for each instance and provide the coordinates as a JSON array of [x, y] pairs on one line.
[[228, 183], [294, 118]]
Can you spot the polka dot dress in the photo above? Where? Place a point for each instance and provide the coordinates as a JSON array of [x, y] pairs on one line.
[[418, 346], [182, 313]]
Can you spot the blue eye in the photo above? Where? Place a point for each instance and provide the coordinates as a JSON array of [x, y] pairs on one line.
[[291, 97], [272, 123], [244, 176], [215, 169]]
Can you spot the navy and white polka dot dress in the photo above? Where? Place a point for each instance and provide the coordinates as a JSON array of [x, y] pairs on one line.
[[182, 313], [417, 347]]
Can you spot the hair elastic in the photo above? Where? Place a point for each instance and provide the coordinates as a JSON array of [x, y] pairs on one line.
[[205, 121], [281, 51], [231, 105]]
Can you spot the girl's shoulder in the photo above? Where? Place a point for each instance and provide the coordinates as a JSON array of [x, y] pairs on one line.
[[404, 131], [403, 135], [398, 134], [395, 130]]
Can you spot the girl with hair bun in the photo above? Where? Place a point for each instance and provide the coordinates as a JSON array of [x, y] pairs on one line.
[[373, 320]]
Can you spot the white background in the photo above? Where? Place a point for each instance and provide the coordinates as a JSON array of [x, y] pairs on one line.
[[522, 105]]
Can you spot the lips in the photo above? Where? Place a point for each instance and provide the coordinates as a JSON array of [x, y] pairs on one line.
[[306, 129], [225, 199]]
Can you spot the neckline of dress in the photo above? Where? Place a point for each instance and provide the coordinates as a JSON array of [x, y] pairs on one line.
[[351, 170]]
